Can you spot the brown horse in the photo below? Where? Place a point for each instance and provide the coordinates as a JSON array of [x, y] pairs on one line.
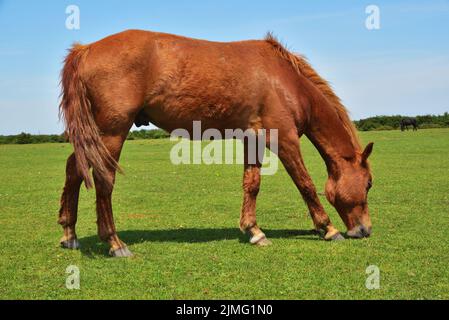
[[171, 81]]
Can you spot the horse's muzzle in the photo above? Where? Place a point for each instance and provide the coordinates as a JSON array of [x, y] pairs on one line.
[[359, 231]]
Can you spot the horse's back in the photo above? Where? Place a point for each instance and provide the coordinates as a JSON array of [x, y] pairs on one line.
[[153, 58], [179, 79]]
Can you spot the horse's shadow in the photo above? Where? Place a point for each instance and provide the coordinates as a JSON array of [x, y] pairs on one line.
[[91, 246]]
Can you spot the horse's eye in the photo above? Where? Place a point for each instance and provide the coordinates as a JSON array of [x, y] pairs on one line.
[[370, 184]]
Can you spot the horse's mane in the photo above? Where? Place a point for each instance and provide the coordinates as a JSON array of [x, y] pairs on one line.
[[301, 65]]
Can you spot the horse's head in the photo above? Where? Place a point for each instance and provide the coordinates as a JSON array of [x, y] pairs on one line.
[[347, 190]]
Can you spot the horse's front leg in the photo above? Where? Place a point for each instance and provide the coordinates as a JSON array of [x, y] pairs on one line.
[[69, 204], [251, 185], [290, 156]]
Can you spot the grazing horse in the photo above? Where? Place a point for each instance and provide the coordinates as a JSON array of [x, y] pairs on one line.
[[171, 81], [409, 122]]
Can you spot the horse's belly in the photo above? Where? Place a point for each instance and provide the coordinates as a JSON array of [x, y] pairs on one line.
[[185, 116], [219, 109]]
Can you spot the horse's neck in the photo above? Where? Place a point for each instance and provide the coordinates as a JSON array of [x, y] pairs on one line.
[[328, 133]]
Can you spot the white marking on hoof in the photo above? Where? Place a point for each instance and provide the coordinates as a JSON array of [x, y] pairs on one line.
[[70, 244], [264, 243], [260, 240]]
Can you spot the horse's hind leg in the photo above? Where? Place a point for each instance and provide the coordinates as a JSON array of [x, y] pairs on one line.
[[105, 220], [290, 156], [69, 204]]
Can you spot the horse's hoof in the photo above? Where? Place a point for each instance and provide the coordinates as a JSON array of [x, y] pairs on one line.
[[70, 244], [264, 242], [335, 237], [121, 253], [260, 240]]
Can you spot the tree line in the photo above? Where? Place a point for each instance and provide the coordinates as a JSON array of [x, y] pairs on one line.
[[394, 122], [368, 124], [26, 138]]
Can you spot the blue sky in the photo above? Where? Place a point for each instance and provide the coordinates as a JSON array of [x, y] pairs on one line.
[[403, 68]]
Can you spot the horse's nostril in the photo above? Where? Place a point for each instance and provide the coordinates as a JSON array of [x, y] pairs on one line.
[[365, 231], [368, 231]]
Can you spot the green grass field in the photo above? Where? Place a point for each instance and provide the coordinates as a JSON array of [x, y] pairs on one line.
[[181, 222]]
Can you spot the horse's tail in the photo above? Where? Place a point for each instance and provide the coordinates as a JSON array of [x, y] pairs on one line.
[[76, 110]]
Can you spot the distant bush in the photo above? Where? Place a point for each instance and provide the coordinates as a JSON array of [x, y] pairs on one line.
[[430, 126], [148, 134], [394, 122], [26, 138]]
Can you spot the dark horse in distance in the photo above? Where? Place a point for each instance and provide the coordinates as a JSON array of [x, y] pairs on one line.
[[171, 81], [409, 122]]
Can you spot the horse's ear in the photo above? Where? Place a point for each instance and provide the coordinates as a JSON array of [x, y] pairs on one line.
[[368, 149]]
